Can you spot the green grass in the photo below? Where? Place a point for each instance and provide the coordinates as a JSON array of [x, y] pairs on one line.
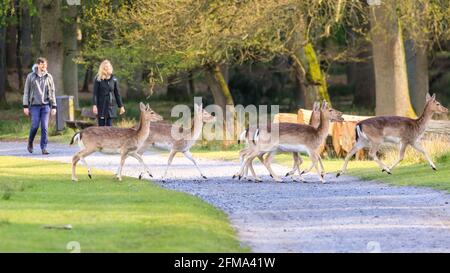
[[14, 125], [406, 174], [106, 215]]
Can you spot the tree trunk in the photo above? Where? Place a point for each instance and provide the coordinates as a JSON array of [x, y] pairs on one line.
[[177, 88], [135, 88], [316, 77], [3, 102], [36, 37], [417, 65], [52, 41], [310, 77], [11, 46], [300, 80], [222, 98], [364, 85], [88, 77], [363, 80], [19, 45], [219, 87], [191, 84], [25, 37], [392, 96], [70, 53]]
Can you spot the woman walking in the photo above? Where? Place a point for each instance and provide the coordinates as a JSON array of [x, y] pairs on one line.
[[106, 97]]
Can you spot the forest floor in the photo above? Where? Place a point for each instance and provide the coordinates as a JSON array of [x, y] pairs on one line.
[[346, 214]]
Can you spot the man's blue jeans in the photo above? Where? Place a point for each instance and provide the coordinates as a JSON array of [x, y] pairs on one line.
[[39, 116]]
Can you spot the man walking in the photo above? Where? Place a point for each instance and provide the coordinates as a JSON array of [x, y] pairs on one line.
[[39, 101]]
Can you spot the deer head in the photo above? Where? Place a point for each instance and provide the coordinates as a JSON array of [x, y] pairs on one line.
[[206, 116], [434, 106], [330, 113], [148, 113]]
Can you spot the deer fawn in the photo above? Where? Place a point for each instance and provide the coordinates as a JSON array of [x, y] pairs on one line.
[[375, 131], [110, 140], [162, 133], [313, 121], [294, 138]]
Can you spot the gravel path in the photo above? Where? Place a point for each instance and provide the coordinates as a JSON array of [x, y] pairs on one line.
[[344, 215]]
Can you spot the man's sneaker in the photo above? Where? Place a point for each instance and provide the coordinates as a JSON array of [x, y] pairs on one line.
[[30, 147], [45, 152]]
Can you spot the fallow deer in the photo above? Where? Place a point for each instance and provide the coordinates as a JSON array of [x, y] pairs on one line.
[[162, 133], [294, 137], [314, 121], [375, 131], [111, 140]]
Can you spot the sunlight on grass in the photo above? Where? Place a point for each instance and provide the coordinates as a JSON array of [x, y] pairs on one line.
[[106, 215], [436, 145]]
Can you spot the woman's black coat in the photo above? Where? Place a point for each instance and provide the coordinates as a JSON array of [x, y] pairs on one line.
[[107, 97]]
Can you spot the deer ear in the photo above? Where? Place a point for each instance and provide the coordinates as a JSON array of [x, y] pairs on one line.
[[142, 106], [427, 97], [148, 107], [434, 96]]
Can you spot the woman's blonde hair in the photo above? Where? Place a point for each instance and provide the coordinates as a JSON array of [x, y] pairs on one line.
[[101, 74]]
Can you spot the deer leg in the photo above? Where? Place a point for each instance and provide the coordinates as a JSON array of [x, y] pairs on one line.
[[87, 166], [257, 179], [188, 155], [169, 161], [319, 160], [248, 160], [358, 146], [296, 166], [77, 157], [419, 148], [250, 166], [401, 154], [373, 153], [312, 165], [321, 164], [123, 157], [314, 162], [247, 167], [298, 161], [242, 155], [252, 170], [267, 163], [141, 161], [142, 150], [75, 160], [312, 156]]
